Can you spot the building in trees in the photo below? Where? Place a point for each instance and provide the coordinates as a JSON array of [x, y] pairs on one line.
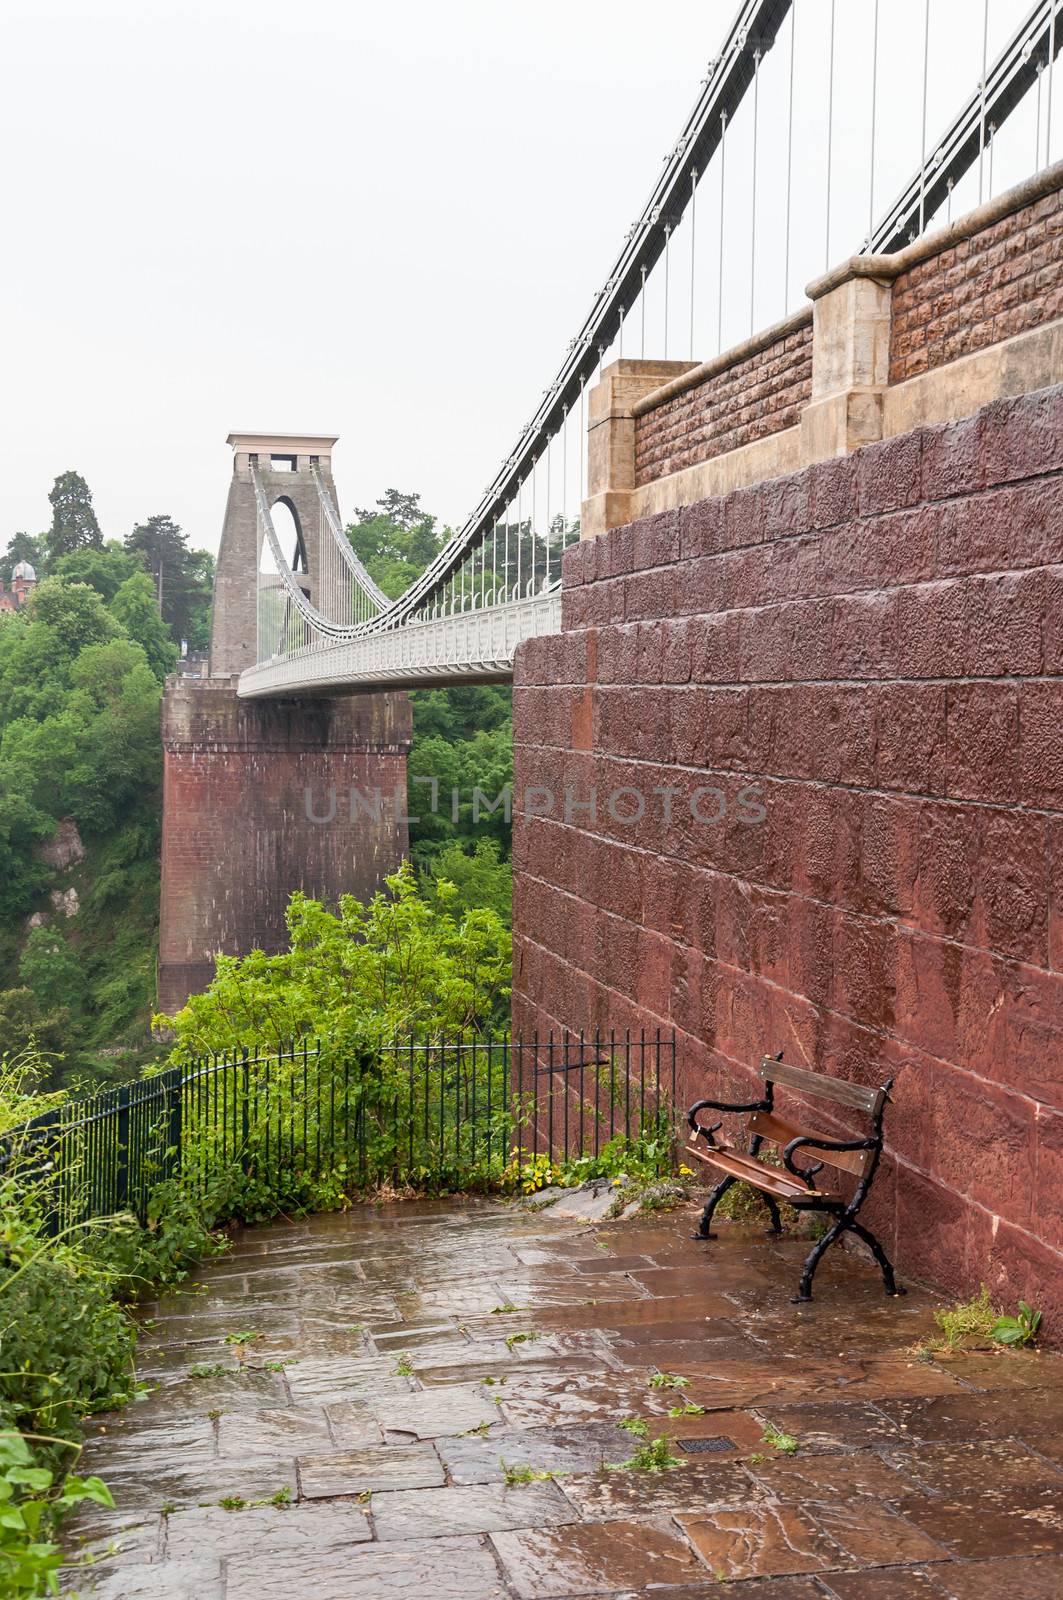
[[13, 595]]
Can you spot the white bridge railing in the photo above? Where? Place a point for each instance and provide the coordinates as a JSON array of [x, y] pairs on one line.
[[476, 647]]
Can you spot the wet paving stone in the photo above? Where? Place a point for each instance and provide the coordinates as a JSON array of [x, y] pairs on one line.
[[999, 1464], [984, 1523], [533, 1400], [282, 1432], [770, 1540], [830, 1478], [898, 1583], [169, 1580], [343, 1378], [177, 1393], [592, 1558], [854, 1425], [265, 1529], [480, 1508], [443, 1411], [156, 1485], [383, 1399], [692, 1487], [445, 1569], [1039, 1578], [353, 1425], [102, 1533], [482, 1458], [1001, 1415], [353, 1472]]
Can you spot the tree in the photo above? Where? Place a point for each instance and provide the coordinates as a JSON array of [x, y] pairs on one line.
[[134, 608], [103, 570], [396, 542], [74, 525], [23, 547], [183, 578], [400, 964]]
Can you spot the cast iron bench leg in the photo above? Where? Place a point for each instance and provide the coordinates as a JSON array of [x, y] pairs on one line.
[[815, 1255], [713, 1201], [773, 1211], [892, 1287]]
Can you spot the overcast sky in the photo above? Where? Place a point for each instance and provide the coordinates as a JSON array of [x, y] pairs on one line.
[[382, 221]]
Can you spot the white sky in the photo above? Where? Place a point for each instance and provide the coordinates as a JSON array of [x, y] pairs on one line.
[[379, 221]]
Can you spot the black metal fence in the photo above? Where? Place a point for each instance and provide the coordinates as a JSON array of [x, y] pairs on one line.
[[309, 1122]]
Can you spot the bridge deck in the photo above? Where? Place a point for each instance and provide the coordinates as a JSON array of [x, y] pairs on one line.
[[474, 647]]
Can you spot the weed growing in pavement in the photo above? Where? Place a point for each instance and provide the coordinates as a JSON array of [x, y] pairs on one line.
[[504, 1309], [233, 1502], [515, 1475], [1017, 1330], [668, 1380], [403, 1367], [654, 1457], [479, 1432], [527, 1337], [208, 1369], [240, 1339], [689, 1410], [636, 1425], [785, 1443]]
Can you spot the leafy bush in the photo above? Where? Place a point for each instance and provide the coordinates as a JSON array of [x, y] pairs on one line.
[[397, 965], [66, 1338]]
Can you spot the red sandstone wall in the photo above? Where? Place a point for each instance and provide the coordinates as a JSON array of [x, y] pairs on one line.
[[236, 838], [878, 644], [756, 397], [1006, 279]]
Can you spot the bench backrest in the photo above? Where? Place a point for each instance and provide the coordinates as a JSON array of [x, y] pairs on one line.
[[778, 1130]]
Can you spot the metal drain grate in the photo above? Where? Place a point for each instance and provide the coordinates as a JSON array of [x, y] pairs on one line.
[[704, 1447]]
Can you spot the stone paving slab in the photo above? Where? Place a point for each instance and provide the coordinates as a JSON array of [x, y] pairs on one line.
[[423, 1454]]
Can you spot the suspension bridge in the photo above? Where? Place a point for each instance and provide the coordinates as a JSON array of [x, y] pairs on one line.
[[807, 117]]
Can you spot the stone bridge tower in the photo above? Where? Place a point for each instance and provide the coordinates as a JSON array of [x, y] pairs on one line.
[[247, 783]]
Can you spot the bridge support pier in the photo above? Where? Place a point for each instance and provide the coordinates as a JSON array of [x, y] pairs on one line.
[[257, 802]]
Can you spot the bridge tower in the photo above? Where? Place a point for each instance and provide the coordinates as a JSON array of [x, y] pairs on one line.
[[259, 795]]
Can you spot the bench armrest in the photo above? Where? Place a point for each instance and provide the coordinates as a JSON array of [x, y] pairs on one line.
[[718, 1105], [722, 1105], [807, 1174]]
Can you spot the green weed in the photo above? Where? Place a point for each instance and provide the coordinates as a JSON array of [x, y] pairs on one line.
[[668, 1380], [654, 1457], [1017, 1330], [527, 1337], [785, 1443]]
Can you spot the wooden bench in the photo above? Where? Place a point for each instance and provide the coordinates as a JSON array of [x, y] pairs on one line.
[[791, 1183]]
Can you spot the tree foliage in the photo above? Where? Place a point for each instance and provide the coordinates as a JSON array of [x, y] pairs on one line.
[[182, 577], [74, 523], [399, 964], [396, 541]]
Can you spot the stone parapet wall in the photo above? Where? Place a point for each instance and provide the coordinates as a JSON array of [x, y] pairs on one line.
[[1001, 281], [963, 316], [874, 647], [758, 395]]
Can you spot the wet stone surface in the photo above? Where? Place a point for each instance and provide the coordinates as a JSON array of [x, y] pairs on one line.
[[433, 1402]]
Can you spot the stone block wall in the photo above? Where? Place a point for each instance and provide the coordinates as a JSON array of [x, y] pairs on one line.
[[999, 282], [872, 651], [243, 781], [757, 396]]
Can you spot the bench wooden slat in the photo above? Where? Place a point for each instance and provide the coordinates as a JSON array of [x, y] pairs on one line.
[[840, 1090], [780, 1185], [774, 1128]]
